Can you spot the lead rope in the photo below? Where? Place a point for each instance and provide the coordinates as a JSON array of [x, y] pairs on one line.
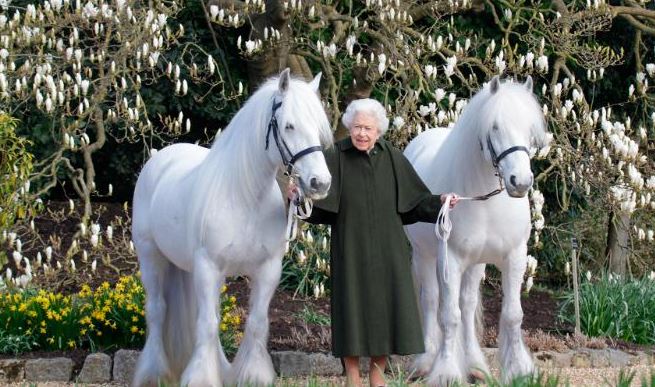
[[443, 226], [299, 208]]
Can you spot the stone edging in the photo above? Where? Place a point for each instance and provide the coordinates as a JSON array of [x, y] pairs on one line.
[[101, 368]]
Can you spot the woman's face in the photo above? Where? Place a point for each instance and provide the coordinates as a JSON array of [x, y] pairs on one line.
[[364, 131]]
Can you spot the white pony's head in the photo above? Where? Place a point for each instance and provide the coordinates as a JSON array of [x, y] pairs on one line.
[[512, 123], [298, 131]]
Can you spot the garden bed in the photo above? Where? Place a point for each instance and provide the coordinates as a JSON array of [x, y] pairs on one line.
[[296, 323]]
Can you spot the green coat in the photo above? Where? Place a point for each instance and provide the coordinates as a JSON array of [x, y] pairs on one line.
[[373, 303]]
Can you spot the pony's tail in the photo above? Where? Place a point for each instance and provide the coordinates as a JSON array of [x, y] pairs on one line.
[[181, 311], [180, 327]]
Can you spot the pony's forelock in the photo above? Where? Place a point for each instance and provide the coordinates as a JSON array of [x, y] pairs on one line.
[[513, 105]]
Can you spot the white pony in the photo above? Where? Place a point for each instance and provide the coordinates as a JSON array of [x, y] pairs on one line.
[[487, 148], [202, 214]]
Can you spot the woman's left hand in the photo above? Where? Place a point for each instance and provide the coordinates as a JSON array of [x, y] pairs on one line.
[[454, 199]]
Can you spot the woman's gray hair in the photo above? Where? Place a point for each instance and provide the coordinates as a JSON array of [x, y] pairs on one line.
[[366, 106]]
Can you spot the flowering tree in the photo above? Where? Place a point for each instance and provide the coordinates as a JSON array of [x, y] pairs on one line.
[[81, 69], [423, 60], [84, 69]]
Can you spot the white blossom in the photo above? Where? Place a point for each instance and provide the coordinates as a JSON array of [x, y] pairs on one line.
[[17, 256], [317, 291], [439, 94], [537, 200], [350, 44], [250, 46], [528, 284], [508, 14], [213, 11], [94, 240], [650, 69], [542, 64], [532, 265], [430, 71], [210, 64], [24, 280], [382, 62], [398, 122]]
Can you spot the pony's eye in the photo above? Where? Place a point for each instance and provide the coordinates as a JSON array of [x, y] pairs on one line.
[[289, 127]]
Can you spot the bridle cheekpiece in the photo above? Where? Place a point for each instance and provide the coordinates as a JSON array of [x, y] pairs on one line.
[[288, 158]]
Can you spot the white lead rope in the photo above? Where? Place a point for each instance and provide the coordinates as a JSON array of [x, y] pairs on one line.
[[302, 211], [443, 226], [442, 229]]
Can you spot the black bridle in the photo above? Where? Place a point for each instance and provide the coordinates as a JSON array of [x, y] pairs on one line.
[[495, 161], [288, 158]]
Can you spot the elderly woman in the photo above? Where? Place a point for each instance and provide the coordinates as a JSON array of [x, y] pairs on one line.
[[374, 192]]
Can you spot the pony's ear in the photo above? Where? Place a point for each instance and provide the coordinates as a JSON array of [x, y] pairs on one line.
[[315, 83], [494, 84], [284, 80], [528, 83]]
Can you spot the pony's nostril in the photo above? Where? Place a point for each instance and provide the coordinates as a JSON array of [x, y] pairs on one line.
[[512, 180], [313, 182]]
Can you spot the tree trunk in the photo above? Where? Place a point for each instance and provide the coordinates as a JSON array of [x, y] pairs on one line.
[[617, 242]]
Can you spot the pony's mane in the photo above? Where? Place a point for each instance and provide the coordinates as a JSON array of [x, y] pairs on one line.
[[512, 105], [232, 172]]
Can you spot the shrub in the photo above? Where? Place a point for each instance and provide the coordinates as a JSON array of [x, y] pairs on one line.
[[102, 318], [306, 266], [15, 168], [615, 307]]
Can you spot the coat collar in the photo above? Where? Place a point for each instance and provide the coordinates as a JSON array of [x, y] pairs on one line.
[[347, 144]]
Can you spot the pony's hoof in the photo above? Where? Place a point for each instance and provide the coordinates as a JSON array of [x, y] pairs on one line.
[[202, 370], [477, 375], [422, 365], [445, 372], [519, 370], [255, 370]]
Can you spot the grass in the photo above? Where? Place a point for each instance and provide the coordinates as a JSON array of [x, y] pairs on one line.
[[396, 377], [310, 316], [618, 308]]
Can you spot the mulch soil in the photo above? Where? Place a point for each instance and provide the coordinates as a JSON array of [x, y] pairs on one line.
[[289, 326]]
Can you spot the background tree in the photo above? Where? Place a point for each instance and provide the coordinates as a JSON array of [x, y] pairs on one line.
[[106, 81]]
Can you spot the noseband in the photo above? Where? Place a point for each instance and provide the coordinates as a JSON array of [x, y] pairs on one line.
[[288, 158], [495, 160]]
